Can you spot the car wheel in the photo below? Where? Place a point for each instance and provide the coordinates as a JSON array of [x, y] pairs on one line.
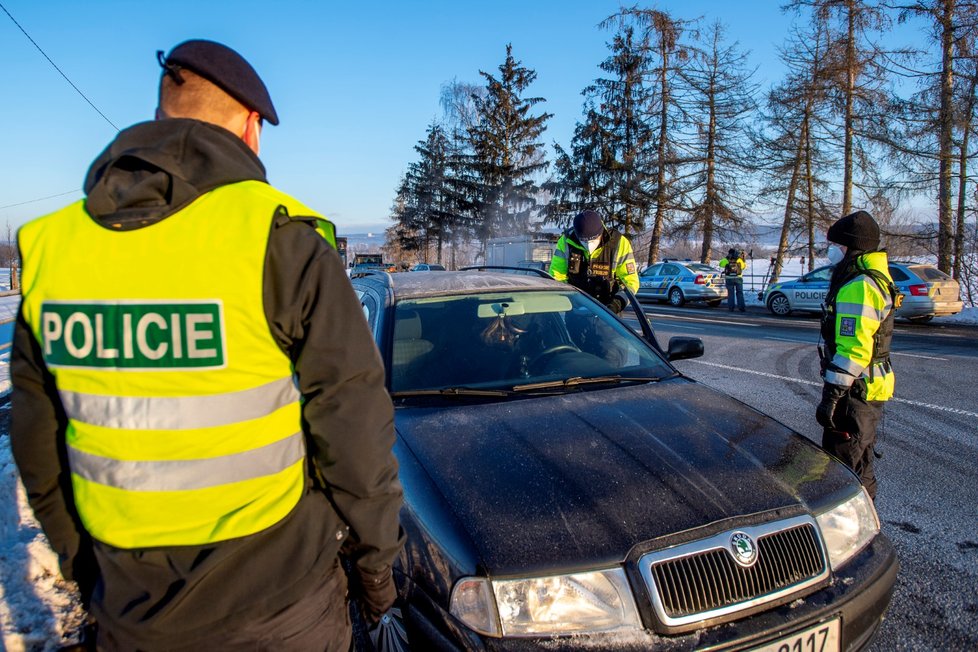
[[676, 297], [779, 305]]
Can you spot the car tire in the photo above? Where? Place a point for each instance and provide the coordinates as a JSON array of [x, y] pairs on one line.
[[778, 304], [676, 297]]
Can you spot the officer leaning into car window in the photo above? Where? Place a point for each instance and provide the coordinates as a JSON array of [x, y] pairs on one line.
[[733, 276], [199, 412], [857, 326], [596, 260]]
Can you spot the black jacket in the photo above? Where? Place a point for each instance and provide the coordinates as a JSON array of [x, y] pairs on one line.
[[148, 173]]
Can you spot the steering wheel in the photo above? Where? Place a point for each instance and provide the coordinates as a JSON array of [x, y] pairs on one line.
[[546, 353]]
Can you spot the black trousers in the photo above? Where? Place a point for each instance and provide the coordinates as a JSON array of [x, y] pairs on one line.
[[853, 443], [314, 623]]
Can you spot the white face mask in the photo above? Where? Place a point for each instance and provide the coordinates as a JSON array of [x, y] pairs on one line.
[[835, 254], [592, 245]]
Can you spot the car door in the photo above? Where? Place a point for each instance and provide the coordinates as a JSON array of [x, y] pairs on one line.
[[810, 290], [670, 275], [648, 282]]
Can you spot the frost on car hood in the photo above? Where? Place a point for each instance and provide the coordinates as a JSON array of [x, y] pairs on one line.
[[583, 477]]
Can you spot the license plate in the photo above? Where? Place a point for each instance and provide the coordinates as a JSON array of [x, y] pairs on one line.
[[823, 637]]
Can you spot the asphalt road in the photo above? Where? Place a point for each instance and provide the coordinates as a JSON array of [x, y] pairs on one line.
[[928, 494]]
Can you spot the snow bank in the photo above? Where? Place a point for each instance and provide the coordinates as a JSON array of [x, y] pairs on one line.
[[39, 611]]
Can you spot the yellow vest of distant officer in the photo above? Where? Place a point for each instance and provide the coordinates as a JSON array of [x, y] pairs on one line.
[[183, 415]]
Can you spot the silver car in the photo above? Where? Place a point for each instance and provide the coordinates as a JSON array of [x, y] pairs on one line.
[[927, 292], [680, 281]]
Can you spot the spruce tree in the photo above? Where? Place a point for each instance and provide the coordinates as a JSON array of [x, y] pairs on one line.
[[507, 155]]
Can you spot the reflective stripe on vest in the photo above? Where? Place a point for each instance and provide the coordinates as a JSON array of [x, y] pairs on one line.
[[184, 475], [179, 413], [184, 422]]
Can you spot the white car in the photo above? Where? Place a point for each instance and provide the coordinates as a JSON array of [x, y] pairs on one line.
[[680, 281], [927, 292]]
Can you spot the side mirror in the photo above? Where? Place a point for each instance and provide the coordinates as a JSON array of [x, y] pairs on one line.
[[683, 348]]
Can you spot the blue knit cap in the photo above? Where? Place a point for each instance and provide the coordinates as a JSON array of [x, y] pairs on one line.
[[588, 225]]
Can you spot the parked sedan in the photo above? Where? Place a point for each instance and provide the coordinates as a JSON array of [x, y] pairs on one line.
[[927, 292], [680, 281], [428, 267], [567, 488]]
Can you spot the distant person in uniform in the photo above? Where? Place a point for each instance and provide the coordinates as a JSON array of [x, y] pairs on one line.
[[596, 260], [733, 276], [199, 412]]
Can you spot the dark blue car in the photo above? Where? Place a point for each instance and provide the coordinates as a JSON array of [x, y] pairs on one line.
[[567, 488]]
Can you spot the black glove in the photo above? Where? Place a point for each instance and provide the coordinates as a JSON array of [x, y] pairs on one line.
[[825, 412], [617, 304], [376, 593]]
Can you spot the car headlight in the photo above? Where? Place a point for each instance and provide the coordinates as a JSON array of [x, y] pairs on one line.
[[848, 528], [594, 601]]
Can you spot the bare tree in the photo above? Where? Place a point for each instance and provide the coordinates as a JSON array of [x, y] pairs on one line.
[[663, 36], [794, 146], [724, 101]]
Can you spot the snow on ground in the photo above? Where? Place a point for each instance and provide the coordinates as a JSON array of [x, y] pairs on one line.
[[39, 611]]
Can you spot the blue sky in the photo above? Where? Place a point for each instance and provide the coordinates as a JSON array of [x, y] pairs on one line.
[[355, 85]]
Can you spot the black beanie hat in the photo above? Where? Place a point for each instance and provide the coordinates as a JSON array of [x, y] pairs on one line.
[[588, 225], [857, 231], [732, 253]]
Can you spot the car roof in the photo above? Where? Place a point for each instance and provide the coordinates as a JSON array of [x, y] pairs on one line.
[[412, 286]]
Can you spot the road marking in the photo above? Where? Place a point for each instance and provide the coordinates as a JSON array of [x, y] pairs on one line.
[[931, 406], [912, 355], [708, 321]]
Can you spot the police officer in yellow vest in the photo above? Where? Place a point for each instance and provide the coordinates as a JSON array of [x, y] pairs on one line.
[[199, 412], [857, 327], [596, 260], [733, 277]]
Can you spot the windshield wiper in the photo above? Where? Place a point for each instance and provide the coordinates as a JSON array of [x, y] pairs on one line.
[[575, 381], [453, 391]]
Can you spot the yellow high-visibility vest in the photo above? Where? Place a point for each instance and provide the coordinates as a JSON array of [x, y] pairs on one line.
[[183, 416]]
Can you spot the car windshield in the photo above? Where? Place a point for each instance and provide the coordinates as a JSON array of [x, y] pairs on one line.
[[507, 340], [700, 267]]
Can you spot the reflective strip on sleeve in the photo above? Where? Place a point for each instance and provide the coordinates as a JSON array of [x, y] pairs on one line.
[[179, 413], [861, 310], [560, 253], [851, 367], [839, 378], [627, 258], [183, 475]]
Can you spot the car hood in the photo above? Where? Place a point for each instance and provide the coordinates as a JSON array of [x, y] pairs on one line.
[[556, 482]]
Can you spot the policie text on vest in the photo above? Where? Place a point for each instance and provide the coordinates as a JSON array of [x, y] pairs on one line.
[[136, 335]]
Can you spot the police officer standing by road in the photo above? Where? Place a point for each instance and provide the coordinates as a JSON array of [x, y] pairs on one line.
[[857, 327], [596, 260], [199, 412], [733, 276]]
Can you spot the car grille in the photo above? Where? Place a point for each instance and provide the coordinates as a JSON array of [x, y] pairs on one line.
[[702, 581]]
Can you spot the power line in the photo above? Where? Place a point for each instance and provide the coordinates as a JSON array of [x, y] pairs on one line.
[[56, 66], [31, 201]]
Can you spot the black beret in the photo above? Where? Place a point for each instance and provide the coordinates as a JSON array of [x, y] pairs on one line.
[[587, 225], [857, 231], [227, 69]]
